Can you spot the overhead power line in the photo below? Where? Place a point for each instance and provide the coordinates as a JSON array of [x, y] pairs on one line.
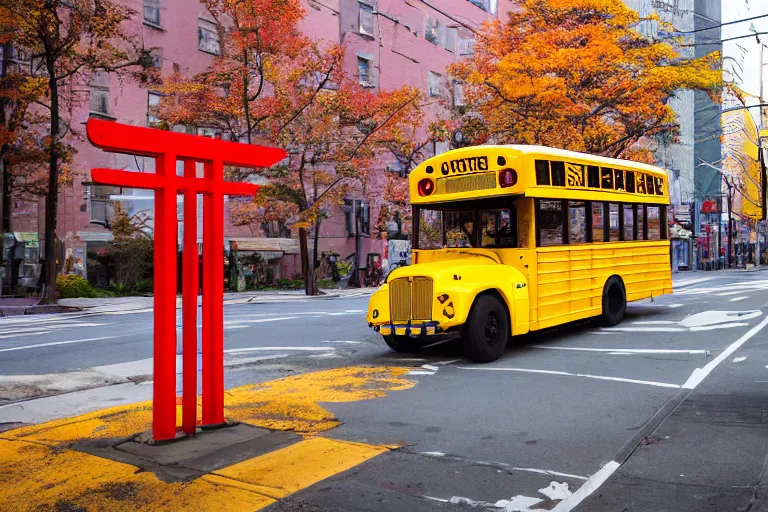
[[724, 24]]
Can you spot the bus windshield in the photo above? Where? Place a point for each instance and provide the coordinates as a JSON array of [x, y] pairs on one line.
[[485, 228]]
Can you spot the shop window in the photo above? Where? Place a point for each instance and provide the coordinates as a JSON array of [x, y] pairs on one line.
[[613, 218], [629, 222], [558, 174], [542, 172], [593, 176], [577, 227], [550, 222], [654, 223], [598, 222], [630, 182], [606, 178]]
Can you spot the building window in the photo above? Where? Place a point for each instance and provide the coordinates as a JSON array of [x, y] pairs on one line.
[[434, 31], [152, 11], [357, 215], [466, 46], [208, 37], [486, 5], [450, 39], [458, 94], [153, 105], [100, 206], [364, 71], [366, 19], [434, 84], [100, 100]]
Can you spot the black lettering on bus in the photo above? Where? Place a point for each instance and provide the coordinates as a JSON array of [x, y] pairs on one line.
[[444, 168], [482, 163]]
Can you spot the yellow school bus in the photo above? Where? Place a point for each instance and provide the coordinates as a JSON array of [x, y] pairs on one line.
[[512, 239]]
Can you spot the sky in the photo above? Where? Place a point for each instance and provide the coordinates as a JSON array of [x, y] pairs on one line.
[[745, 51]]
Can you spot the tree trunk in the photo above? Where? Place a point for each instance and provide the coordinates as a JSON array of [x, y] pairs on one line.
[[246, 106], [316, 247], [730, 228], [6, 186], [52, 197], [355, 279], [307, 270]]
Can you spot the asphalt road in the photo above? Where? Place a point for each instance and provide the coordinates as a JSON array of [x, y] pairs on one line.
[[648, 415]]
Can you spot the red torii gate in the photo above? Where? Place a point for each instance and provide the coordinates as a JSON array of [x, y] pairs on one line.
[[166, 148]]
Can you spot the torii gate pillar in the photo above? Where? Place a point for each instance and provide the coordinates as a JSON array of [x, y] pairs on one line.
[[167, 148]]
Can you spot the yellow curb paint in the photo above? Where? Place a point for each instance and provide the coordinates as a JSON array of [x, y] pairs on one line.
[[39, 471], [283, 472], [37, 477]]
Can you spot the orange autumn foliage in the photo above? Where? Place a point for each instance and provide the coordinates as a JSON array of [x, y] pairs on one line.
[[577, 74]]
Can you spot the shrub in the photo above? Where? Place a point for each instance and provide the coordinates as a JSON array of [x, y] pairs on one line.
[[326, 283], [72, 287], [144, 286]]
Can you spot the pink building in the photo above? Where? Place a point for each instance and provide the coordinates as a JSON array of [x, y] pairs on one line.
[[389, 43]]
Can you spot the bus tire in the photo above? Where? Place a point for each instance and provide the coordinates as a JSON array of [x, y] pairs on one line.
[[486, 331], [614, 301], [402, 344]]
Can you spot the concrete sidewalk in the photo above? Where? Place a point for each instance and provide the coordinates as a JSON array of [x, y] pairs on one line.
[[124, 305]]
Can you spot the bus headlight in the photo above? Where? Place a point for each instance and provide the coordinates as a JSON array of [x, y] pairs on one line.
[[426, 187], [507, 178]]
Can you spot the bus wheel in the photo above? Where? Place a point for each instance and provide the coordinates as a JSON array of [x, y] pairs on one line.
[[403, 344], [486, 331], [614, 301]]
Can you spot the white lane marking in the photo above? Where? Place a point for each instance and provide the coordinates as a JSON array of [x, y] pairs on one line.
[[673, 306], [738, 359], [49, 326], [354, 311], [618, 353], [419, 372], [430, 367], [588, 488], [260, 320], [53, 343], [552, 473], [736, 299], [699, 374], [588, 376], [256, 349], [433, 454], [343, 341], [625, 350], [517, 503], [706, 318], [643, 329], [34, 333], [689, 282], [719, 326], [654, 322], [728, 294], [445, 363], [556, 491]]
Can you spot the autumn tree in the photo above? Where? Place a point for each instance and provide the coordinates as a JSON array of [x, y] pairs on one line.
[[65, 41], [274, 85], [577, 74]]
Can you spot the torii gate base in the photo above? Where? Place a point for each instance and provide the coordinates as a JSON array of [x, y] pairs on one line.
[[167, 148]]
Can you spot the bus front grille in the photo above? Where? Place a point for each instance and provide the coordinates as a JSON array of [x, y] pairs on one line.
[[468, 183], [410, 300]]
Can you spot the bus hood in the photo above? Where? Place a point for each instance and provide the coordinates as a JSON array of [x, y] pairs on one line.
[[450, 262]]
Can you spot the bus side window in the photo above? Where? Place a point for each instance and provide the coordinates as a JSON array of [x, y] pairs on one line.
[[613, 210], [631, 182], [558, 173], [607, 178], [618, 179], [593, 176], [542, 172], [629, 222], [654, 223], [577, 229], [550, 221], [640, 222], [598, 224]]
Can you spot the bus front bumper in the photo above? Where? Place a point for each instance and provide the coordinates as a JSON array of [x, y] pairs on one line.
[[413, 329]]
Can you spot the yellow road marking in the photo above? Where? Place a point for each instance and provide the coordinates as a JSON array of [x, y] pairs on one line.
[[39, 471], [281, 473]]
